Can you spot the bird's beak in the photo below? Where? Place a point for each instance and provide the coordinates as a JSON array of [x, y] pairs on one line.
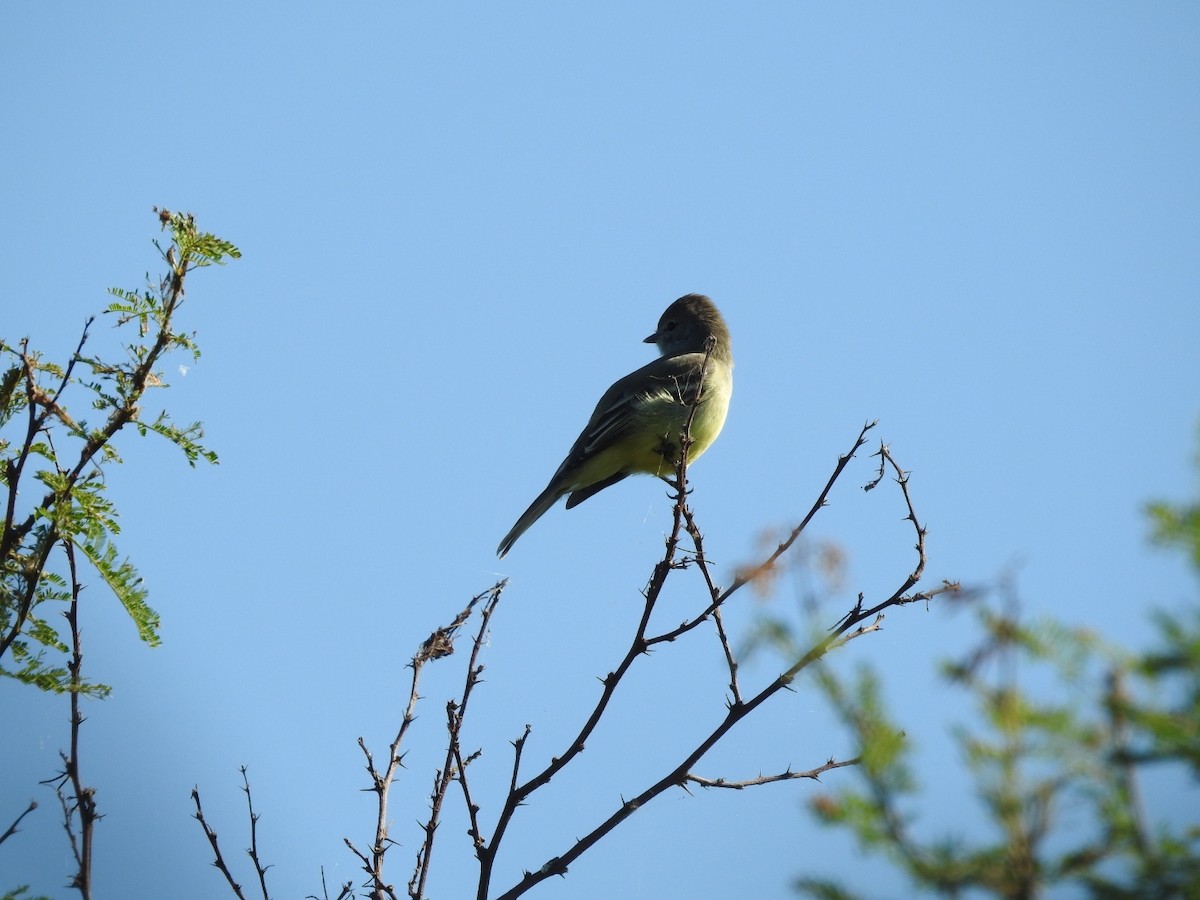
[[653, 339]]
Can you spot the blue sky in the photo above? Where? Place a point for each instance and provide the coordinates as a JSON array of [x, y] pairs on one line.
[[975, 223]]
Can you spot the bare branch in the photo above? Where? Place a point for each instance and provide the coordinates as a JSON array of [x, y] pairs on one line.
[[453, 767], [346, 892], [734, 689], [789, 775], [899, 597], [218, 860], [713, 594], [750, 573], [12, 829], [682, 774], [80, 800], [438, 645], [253, 851], [472, 807]]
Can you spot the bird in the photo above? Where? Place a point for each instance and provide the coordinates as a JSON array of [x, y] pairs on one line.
[[637, 425]]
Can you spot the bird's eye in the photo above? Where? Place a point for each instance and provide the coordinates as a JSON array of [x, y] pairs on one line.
[[671, 325]]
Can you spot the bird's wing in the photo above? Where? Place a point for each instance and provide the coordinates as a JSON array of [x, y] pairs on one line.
[[640, 395]]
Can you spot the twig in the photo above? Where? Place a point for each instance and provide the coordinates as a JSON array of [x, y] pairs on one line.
[[734, 689], [12, 829], [82, 800], [218, 859], [713, 594], [346, 892], [453, 765], [789, 775], [472, 807], [438, 645], [253, 851], [518, 749], [898, 597], [749, 574]]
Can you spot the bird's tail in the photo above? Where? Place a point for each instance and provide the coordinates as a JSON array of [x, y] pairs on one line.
[[537, 509]]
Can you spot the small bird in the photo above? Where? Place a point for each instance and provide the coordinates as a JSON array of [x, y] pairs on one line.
[[637, 424]]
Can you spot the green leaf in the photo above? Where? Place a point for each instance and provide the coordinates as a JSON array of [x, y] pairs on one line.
[[123, 580]]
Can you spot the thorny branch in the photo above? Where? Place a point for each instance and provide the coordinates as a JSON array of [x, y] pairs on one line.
[[347, 889], [74, 798], [13, 828], [847, 629], [345, 893], [750, 573], [219, 860], [789, 775], [438, 645], [454, 765], [259, 868]]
